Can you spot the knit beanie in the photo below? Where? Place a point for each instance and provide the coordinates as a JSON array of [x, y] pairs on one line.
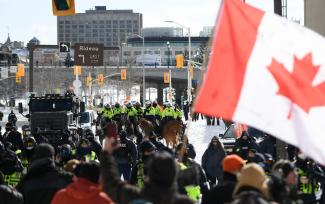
[[162, 169], [43, 151], [232, 163]]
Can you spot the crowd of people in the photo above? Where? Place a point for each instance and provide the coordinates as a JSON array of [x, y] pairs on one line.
[[79, 169]]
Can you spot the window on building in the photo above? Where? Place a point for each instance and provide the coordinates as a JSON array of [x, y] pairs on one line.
[[136, 53], [61, 22], [74, 26], [67, 22], [81, 39], [61, 26], [94, 22], [101, 26], [157, 52], [127, 53], [101, 22]]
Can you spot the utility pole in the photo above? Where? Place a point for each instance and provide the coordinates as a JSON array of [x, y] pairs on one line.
[[281, 151], [31, 48]]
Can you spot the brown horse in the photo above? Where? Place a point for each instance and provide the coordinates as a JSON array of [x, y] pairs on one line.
[[171, 132], [146, 126]]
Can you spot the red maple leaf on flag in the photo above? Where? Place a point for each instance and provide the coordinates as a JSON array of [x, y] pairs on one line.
[[297, 86]]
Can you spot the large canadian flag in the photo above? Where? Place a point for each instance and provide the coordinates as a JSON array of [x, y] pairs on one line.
[[269, 73]]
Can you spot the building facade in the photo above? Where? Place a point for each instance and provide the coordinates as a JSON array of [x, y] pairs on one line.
[[163, 49], [162, 32], [314, 13], [108, 27]]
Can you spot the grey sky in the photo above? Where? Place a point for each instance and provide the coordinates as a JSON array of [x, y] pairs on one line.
[[26, 19]]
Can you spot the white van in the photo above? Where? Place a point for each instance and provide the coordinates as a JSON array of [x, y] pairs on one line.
[[87, 119]]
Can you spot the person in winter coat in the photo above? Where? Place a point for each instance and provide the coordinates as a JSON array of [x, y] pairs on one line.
[[95, 146], [42, 180], [212, 160], [146, 150], [159, 188], [9, 195], [222, 193], [252, 186], [125, 156], [85, 189], [283, 183], [12, 118], [14, 137], [192, 180], [243, 145]]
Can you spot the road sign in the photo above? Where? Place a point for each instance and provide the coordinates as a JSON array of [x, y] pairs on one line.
[[13, 69], [65, 46], [4, 73], [76, 83], [87, 54]]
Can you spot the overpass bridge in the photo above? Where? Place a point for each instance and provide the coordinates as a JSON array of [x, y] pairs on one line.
[[50, 78]]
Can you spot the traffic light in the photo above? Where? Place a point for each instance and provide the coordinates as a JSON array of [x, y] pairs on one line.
[[63, 7], [18, 78], [100, 79], [88, 81], [166, 77], [75, 70], [123, 74], [179, 61], [21, 70]]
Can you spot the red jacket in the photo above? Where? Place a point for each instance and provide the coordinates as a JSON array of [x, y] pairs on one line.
[[81, 191]]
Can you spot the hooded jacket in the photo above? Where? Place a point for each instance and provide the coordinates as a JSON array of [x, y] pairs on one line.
[[212, 160], [124, 193], [81, 191], [42, 181]]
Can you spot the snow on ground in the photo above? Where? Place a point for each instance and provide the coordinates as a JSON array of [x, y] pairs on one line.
[[200, 136]]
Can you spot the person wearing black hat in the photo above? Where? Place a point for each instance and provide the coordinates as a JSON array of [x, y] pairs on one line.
[[283, 182], [14, 137], [43, 179], [159, 187], [146, 150], [95, 145], [126, 155], [243, 145]]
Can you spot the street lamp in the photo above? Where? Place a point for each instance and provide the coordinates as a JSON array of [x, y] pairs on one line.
[[143, 73], [189, 80], [168, 52]]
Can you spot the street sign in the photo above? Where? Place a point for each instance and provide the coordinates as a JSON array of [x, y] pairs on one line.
[[76, 83], [13, 69], [88, 54], [65, 46], [4, 73]]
